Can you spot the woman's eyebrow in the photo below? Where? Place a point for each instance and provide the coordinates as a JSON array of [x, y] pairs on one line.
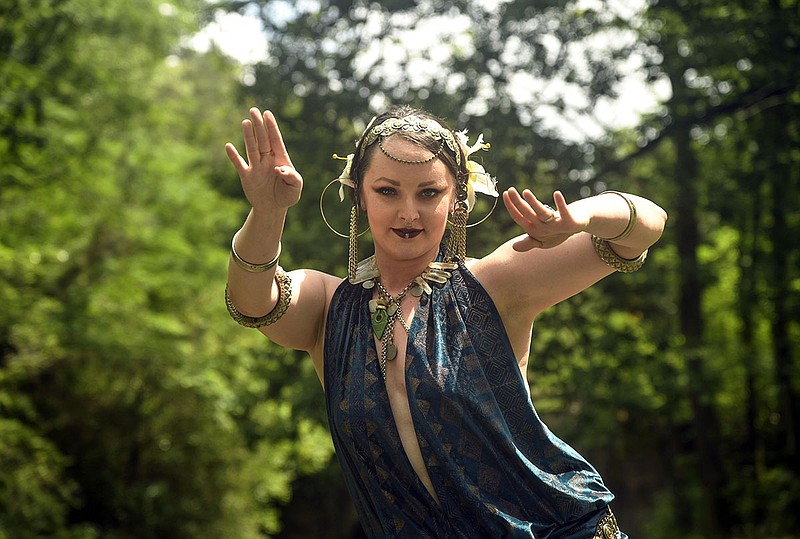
[[397, 183]]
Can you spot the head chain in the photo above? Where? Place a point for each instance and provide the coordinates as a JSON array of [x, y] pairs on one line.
[[412, 124]]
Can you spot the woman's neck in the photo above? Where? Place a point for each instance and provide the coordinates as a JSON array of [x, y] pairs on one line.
[[397, 274]]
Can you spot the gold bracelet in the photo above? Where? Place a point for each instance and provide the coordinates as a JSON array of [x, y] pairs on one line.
[[277, 312], [249, 266], [631, 218], [607, 254]]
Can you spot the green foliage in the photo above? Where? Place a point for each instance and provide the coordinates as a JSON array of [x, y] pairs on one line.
[[36, 496], [131, 404]]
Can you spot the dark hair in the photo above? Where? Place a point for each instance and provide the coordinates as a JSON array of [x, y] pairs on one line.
[[363, 156]]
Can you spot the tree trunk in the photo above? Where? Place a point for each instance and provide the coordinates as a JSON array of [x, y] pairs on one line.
[[782, 239], [780, 128], [705, 425], [749, 224]]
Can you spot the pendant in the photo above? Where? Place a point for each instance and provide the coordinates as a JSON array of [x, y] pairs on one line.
[[416, 290], [379, 318], [386, 309]]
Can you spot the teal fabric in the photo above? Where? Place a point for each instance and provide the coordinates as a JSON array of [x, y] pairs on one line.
[[497, 469]]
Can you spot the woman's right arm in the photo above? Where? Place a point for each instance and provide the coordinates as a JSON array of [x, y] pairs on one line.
[[272, 185]]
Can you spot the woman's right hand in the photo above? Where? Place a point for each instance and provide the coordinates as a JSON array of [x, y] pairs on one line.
[[269, 180]]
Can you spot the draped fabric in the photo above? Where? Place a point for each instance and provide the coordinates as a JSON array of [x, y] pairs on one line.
[[497, 469]]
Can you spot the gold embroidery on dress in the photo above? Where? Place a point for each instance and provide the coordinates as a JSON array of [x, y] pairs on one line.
[[607, 527]]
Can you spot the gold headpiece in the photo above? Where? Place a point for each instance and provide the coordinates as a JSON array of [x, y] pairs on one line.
[[411, 124], [479, 181]]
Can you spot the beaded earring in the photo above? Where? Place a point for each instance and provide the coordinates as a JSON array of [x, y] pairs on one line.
[[457, 243], [352, 248]]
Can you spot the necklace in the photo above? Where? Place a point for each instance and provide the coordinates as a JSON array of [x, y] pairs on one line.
[[386, 309]]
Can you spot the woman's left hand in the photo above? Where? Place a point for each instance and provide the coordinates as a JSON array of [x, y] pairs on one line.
[[545, 227]]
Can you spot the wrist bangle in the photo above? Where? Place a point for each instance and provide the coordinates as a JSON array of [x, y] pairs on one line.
[[249, 266], [631, 218], [610, 257]]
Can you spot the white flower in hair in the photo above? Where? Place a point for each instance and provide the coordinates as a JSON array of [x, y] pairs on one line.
[[344, 177], [479, 180]]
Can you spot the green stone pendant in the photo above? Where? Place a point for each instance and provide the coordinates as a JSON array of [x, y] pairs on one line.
[[380, 319]]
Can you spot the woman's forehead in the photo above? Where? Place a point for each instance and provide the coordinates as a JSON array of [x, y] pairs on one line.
[[402, 148], [382, 166]]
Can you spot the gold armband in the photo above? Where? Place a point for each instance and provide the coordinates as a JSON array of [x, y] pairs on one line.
[[277, 312], [610, 257]]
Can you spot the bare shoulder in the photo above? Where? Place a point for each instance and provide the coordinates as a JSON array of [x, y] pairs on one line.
[[303, 325]]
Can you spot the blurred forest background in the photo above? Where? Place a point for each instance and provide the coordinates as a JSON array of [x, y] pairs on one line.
[[131, 406]]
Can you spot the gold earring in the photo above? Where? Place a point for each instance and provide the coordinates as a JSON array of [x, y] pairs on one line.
[[352, 248], [457, 243]]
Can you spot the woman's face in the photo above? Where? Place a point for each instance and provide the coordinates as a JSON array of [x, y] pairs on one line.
[[407, 204]]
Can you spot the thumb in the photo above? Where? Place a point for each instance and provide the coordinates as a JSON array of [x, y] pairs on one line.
[[526, 244], [289, 176]]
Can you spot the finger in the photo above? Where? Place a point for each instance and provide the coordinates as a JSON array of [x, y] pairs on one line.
[[260, 130], [233, 154], [542, 211], [524, 206], [511, 199], [526, 244], [276, 140], [250, 145], [561, 203]]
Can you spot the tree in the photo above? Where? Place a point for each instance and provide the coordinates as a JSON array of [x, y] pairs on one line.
[[131, 406], [730, 84]]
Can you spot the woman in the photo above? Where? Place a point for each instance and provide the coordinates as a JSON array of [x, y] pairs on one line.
[[445, 442]]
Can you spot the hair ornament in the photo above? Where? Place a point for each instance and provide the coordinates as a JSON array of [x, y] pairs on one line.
[[344, 177], [344, 181], [479, 180], [411, 124]]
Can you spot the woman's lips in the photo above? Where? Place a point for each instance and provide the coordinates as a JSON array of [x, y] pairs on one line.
[[407, 233]]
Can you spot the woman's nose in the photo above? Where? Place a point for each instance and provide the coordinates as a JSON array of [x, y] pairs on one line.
[[408, 211]]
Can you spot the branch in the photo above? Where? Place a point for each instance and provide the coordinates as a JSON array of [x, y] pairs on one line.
[[746, 106]]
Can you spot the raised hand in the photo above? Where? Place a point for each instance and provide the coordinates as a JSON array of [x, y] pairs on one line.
[[545, 227], [269, 180]]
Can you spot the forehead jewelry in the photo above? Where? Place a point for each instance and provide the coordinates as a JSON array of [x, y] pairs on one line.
[[411, 124]]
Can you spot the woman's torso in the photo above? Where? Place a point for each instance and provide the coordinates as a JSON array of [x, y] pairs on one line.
[[442, 389]]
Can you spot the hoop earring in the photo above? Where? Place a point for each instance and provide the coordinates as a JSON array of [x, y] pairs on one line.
[[482, 219], [325, 219]]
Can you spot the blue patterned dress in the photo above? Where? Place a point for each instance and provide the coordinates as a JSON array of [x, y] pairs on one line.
[[497, 470]]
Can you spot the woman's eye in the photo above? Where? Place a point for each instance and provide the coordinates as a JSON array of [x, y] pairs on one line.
[[385, 190], [429, 193]]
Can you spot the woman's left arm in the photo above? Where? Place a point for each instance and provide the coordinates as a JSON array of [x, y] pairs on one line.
[[556, 258]]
